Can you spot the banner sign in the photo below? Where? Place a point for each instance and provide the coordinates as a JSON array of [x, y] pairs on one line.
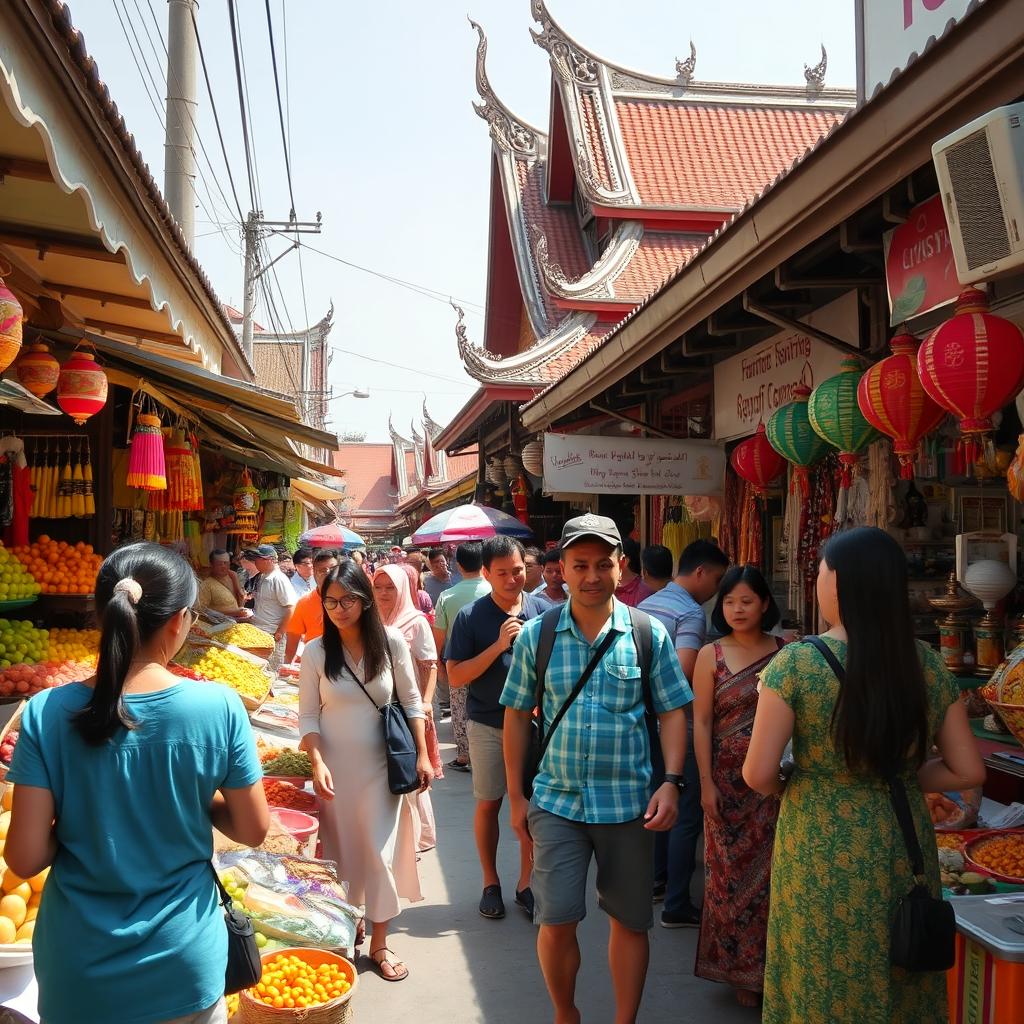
[[591, 464], [890, 32], [919, 271]]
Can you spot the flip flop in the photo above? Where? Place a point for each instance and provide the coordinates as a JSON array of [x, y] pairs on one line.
[[401, 971]]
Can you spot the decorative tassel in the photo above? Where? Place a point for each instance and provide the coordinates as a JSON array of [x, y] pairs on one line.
[[847, 464], [147, 469]]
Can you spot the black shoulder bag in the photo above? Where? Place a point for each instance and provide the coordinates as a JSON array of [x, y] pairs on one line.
[[399, 745], [923, 933], [244, 965]]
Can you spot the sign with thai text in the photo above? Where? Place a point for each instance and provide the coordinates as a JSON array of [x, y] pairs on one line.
[[591, 464], [751, 386], [919, 271], [890, 32]]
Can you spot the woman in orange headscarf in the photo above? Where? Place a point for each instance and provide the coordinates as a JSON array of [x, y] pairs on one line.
[[392, 590]]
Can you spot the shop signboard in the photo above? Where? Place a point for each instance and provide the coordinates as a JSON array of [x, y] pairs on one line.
[[751, 386], [890, 32], [593, 464], [919, 271]]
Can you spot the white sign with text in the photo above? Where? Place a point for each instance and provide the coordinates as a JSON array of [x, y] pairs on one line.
[[591, 464]]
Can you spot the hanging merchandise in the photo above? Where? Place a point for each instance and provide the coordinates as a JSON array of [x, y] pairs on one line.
[[533, 458], [293, 524], [81, 387], [87, 491], [835, 416], [184, 489], [792, 436], [65, 487], [147, 467], [894, 401], [11, 317], [37, 369], [757, 462], [972, 365], [247, 507]]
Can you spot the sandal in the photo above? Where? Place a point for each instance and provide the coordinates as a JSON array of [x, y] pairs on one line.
[[399, 972]]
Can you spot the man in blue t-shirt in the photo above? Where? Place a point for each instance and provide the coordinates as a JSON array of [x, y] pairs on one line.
[[678, 607], [479, 653]]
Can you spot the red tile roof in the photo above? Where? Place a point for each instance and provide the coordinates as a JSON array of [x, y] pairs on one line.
[[659, 255], [367, 477], [713, 156], [459, 465], [565, 359]]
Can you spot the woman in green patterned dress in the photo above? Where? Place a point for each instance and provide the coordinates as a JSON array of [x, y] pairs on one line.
[[839, 865]]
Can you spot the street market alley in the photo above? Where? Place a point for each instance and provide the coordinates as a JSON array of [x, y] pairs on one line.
[[464, 969]]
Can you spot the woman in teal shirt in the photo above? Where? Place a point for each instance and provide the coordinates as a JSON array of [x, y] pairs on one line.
[[120, 780]]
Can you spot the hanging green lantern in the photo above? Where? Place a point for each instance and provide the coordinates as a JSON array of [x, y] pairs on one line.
[[836, 417], [791, 435]]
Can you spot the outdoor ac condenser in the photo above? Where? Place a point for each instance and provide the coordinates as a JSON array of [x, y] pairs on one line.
[[981, 179]]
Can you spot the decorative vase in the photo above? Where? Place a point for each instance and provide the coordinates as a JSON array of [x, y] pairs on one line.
[[989, 581]]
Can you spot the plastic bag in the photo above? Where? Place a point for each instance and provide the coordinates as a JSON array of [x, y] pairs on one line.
[[1015, 474]]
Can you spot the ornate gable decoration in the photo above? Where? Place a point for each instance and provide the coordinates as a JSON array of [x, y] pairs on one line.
[[686, 69], [508, 132], [815, 76], [599, 281], [570, 62]]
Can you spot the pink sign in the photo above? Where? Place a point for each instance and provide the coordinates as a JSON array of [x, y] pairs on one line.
[[919, 271]]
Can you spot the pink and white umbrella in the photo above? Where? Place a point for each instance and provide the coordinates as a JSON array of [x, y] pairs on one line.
[[469, 522], [333, 536]]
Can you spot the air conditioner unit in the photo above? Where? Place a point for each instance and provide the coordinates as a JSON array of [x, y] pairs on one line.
[[981, 179]]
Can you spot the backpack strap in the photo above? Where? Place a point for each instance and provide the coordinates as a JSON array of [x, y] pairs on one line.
[[643, 641], [545, 645]]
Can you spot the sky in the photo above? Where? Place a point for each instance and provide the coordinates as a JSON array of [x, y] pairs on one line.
[[385, 146]]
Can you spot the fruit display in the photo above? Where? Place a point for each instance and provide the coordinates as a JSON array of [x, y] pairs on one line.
[[59, 567], [186, 673], [10, 741], [223, 666], [21, 643], [291, 981], [232, 1001], [27, 680], [247, 636], [80, 645], [16, 584], [284, 794], [19, 902], [1002, 855], [284, 761], [948, 841]]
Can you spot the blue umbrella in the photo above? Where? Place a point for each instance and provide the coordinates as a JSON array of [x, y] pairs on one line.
[[333, 536]]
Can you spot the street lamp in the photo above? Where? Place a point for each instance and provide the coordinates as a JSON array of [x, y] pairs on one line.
[[357, 393]]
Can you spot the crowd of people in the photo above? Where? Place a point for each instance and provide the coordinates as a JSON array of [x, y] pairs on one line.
[[622, 706]]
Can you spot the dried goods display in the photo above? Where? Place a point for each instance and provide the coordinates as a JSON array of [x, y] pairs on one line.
[[284, 794], [1002, 855], [243, 634], [284, 761], [224, 666]]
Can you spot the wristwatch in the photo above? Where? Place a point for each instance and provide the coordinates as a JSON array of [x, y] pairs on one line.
[[676, 780]]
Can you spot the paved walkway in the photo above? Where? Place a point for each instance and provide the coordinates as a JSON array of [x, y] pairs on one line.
[[464, 969]]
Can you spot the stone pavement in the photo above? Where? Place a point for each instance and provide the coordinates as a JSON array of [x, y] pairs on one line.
[[464, 969]]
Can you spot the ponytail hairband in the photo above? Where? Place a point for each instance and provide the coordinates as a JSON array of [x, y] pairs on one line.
[[130, 587]]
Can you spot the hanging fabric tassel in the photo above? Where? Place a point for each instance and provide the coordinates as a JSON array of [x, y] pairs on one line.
[[147, 470]]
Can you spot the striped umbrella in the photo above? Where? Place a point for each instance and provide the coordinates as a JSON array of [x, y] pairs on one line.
[[469, 522]]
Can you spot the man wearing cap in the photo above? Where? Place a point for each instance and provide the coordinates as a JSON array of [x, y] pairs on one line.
[[274, 600], [592, 792]]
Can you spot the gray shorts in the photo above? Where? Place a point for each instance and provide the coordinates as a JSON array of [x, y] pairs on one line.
[[561, 860], [488, 761]]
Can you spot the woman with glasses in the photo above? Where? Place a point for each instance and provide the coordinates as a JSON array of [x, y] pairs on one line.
[[356, 667], [120, 781]]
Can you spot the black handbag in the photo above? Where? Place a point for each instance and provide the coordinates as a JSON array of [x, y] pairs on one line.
[[244, 965], [923, 932], [399, 745]]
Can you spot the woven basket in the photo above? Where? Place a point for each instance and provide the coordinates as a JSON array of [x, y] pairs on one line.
[[1012, 716], [337, 1011]]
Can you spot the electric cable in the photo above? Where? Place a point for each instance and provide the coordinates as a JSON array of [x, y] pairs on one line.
[[280, 109], [241, 100]]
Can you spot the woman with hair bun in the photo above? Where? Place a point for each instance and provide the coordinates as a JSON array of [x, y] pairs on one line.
[[120, 780]]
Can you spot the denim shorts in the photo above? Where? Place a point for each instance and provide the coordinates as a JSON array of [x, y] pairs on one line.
[[562, 850]]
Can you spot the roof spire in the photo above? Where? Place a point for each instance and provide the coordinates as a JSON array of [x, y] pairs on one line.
[[569, 61], [507, 130], [685, 69], [816, 76]]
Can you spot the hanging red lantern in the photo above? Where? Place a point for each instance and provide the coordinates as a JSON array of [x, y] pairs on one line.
[[11, 317], [972, 365], [81, 387], [37, 370], [894, 401], [757, 462]]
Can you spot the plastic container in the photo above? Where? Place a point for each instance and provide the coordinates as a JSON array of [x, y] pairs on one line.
[[303, 828], [986, 984]]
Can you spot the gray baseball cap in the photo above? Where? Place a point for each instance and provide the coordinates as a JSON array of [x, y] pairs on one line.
[[590, 526]]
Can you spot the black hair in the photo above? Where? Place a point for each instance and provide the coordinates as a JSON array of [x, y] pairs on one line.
[[535, 552], [880, 718], [470, 555], [553, 555], [351, 578], [301, 554], [631, 550], [657, 561], [168, 585], [326, 556], [500, 546], [434, 553], [701, 553], [413, 551], [219, 553], [754, 579]]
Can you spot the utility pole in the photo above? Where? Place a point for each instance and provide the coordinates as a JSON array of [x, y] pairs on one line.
[[179, 145], [254, 231]]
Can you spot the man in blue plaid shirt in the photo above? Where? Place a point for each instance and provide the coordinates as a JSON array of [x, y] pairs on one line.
[[592, 794]]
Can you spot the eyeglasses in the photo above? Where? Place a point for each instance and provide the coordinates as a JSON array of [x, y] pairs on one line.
[[194, 612], [346, 604]]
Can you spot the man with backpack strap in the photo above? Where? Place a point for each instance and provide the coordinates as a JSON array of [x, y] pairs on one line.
[[592, 791]]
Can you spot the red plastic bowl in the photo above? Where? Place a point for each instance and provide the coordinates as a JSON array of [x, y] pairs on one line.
[[976, 844], [298, 825]]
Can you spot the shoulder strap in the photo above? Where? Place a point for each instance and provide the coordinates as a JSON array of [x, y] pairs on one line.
[[348, 669], [643, 641], [545, 644], [897, 791]]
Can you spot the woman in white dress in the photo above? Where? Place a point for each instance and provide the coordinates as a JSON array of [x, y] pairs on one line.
[[394, 602], [357, 666]]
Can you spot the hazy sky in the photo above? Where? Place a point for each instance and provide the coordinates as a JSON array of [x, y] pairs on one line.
[[384, 143]]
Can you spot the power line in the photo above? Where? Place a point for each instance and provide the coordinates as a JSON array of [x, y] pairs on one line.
[[241, 101], [398, 366], [280, 109]]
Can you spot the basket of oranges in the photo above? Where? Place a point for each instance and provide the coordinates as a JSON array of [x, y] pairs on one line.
[[310, 985], [1000, 854]]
